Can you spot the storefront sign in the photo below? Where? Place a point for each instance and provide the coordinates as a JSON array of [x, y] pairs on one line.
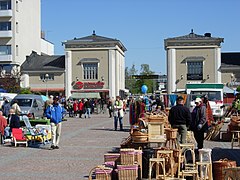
[[88, 85]]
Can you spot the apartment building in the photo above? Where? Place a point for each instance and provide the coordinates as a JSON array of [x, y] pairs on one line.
[[20, 34]]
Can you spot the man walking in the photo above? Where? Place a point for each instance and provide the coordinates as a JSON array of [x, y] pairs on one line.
[[55, 112], [180, 118]]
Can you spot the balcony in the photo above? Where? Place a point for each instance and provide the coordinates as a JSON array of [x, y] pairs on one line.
[[194, 76], [6, 13], [6, 34], [6, 58]]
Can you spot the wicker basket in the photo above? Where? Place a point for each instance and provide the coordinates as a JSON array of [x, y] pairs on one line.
[[127, 172], [219, 166], [127, 156], [160, 117], [171, 133], [101, 172], [235, 121], [112, 157], [139, 136], [138, 160]]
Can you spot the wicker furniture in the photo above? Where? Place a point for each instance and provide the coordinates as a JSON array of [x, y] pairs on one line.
[[190, 168], [235, 138], [231, 173], [171, 138], [168, 156], [205, 164], [158, 162]]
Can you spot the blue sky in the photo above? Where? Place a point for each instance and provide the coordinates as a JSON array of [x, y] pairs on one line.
[[141, 25]]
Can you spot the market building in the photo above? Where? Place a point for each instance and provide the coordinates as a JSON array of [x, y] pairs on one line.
[[95, 67], [192, 58]]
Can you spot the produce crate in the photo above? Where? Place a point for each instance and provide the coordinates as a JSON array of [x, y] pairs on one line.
[[127, 172]]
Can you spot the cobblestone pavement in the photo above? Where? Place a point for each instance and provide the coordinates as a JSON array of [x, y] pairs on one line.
[[82, 147]]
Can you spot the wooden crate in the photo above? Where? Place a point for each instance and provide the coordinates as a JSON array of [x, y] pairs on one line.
[[156, 132]]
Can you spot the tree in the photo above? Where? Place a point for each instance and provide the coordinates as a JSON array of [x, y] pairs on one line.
[[129, 80], [134, 85]]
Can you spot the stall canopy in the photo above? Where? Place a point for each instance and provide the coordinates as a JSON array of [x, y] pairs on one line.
[[228, 90], [85, 95]]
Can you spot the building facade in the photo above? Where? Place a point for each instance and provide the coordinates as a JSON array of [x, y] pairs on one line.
[[192, 59], [20, 34], [44, 74], [95, 67]]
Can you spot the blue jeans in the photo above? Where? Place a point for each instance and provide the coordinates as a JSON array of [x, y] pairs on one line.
[[7, 132], [88, 111], [116, 118]]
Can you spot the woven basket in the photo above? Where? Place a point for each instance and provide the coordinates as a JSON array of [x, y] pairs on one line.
[[127, 156], [235, 121], [112, 157], [219, 166], [101, 172], [127, 172], [171, 133], [139, 136], [138, 160]]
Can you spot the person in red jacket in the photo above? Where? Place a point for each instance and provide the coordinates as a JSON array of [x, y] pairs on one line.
[[80, 108], [75, 108]]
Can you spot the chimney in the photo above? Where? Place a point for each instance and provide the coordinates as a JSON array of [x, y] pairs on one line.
[[207, 35]]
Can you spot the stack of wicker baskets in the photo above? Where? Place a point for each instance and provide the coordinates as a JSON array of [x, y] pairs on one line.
[[131, 159]]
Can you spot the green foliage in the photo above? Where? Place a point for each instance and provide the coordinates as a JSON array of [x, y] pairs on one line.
[[25, 91], [134, 85]]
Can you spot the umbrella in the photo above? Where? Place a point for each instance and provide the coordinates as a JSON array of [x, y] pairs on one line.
[[44, 98]]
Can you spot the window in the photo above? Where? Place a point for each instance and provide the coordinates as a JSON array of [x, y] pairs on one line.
[[5, 50], [90, 71], [5, 5], [50, 77], [194, 70], [5, 26]]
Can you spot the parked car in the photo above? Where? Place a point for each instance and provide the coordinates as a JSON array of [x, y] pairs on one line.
[[30, 104]]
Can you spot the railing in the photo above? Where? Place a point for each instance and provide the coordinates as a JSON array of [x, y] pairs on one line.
[[6, 13]]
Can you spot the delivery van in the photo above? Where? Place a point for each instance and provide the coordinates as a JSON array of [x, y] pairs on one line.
[[30, 104]]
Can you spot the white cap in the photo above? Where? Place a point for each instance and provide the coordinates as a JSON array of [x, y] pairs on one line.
[[198, 100]]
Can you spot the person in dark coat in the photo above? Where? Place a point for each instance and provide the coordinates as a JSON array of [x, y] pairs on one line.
[[199, 122], [13, 121], [180, 118]]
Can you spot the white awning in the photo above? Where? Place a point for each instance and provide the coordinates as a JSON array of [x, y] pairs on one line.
[[85, 95]]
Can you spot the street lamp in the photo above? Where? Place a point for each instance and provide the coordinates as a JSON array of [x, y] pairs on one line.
[[46, 80]]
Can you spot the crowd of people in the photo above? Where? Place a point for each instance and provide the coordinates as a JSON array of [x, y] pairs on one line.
[[10, 118]]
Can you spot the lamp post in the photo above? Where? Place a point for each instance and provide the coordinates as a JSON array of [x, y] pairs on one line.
[[46, 80]]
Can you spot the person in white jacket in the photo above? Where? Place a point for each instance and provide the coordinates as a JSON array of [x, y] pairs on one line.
[[118, 113]]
